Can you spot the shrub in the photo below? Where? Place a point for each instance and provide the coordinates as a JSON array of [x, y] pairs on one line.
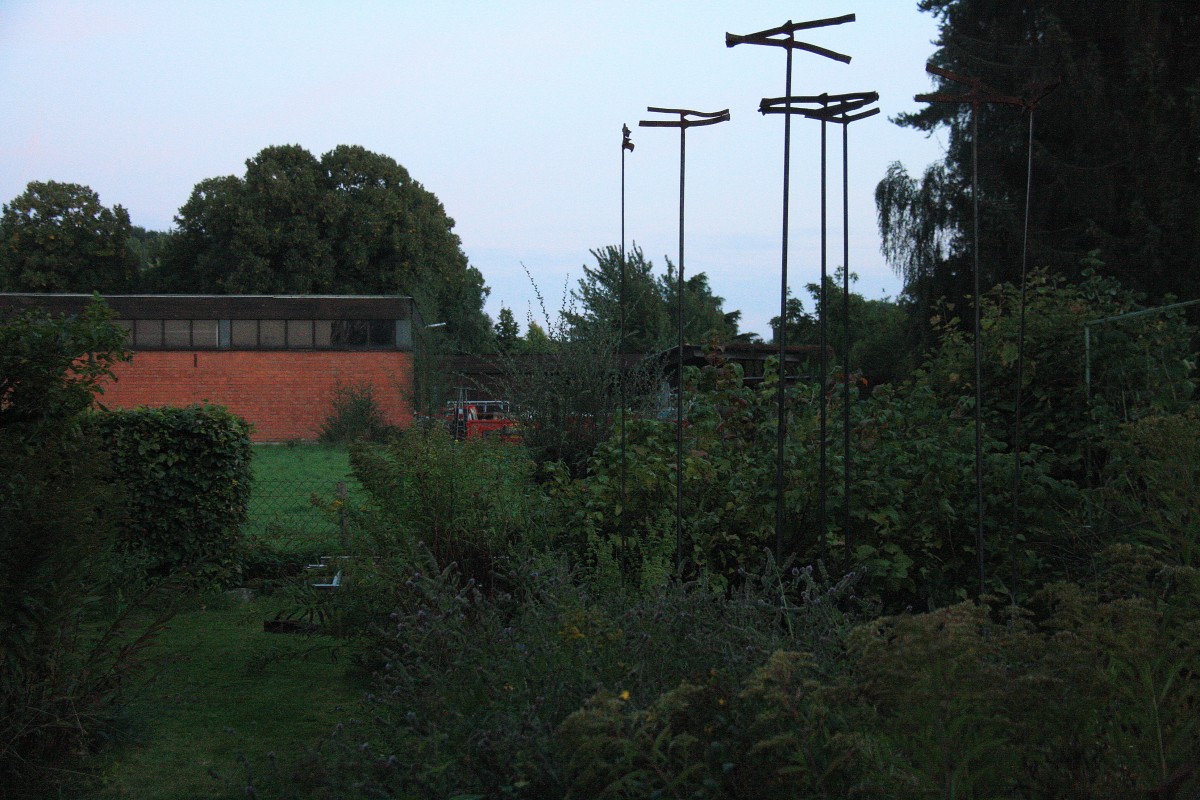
[[465, 501], [356, 415], [63, 662], [472, 685], [1086, 697], [185, 474]]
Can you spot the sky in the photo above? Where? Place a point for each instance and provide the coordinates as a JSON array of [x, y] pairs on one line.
[[510, 112]]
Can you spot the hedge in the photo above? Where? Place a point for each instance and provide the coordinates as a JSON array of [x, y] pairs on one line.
[[185, 475]]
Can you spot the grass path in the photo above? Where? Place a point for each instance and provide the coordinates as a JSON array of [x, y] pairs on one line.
[[225, 688]]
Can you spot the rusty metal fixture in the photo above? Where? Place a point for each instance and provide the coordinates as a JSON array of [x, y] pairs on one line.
[[784, 36], [687, 119], [842, 109], [978, 93], [826, 108]]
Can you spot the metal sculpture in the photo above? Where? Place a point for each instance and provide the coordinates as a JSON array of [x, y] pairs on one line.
[[687, 119], [978, 93], [785, 36], [841, 109]]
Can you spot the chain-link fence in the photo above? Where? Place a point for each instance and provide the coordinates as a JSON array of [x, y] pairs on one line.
[[301, 516]]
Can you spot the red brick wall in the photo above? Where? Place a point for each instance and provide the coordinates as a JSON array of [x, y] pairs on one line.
[[285, 394]]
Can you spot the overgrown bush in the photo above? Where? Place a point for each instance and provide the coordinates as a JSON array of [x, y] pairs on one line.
[[472, 684], [1086, 697], [63, 658], [185, 475], [1151, 491], [465, 501], [1139, 366], [356, 415]]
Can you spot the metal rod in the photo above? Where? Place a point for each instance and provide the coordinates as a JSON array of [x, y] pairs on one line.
[[822, 509], [781, 389], [1016, 491], [626, 146], [705, 118], [978, 352], [846, 534], [679, 372]]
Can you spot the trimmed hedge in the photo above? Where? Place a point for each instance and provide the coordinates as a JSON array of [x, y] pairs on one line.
[[186, 478]]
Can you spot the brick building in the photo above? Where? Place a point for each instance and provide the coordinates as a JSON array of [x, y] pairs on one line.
[[277, 361]]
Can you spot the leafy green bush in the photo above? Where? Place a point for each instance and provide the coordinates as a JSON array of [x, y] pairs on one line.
[[1086, 697], [465, 501], [1139, 366], [356, 415], [63, 658], [472, 684], [1151, 491], [186, 478]]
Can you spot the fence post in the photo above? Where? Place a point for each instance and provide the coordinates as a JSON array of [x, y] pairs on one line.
[[343, 521]]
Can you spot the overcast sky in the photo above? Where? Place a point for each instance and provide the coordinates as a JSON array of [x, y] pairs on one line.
[[510, 112]]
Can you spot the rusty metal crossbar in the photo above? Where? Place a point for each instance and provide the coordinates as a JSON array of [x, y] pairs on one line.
[[833, 107], [706, 118], [788, 30]]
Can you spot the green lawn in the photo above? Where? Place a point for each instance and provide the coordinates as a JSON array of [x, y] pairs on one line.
[[286, 477], [225, 688]]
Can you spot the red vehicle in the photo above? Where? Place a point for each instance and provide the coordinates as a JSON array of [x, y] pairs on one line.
[[480, 419]]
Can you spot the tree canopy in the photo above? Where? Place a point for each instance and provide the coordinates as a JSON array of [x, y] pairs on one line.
[[1115, 147], [350, 222], [58, 237], [650, 303]]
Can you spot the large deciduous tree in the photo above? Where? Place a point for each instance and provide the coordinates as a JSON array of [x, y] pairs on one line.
[[58, 237], [352, 222], [1116, 147]]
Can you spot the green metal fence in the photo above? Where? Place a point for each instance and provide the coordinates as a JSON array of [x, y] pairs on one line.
[[300, 515]]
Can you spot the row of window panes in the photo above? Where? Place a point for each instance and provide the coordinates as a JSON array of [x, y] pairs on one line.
[[240, 334]]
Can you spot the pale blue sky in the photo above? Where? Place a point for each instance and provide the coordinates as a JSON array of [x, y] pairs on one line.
[[509, 112]]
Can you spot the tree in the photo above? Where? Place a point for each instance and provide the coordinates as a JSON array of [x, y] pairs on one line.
[[597, 299], [508, 332], [650, 306], [351, 222], [1115, 148], [704, 317], [58, 237]]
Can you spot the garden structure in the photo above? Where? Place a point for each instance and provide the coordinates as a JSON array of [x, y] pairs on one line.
[[276, 361]]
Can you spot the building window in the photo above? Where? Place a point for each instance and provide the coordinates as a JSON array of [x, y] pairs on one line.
[[177, 333], [299, 333], [148, 333], [254, 334], [271, 333], [243, 334]]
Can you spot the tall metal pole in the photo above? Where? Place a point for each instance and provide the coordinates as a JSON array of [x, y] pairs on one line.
[[823, 339], [626, 146], [846, 534], [781, 389], [978, 93], [704, 118], [1031, 104], [679, 369], [978, 349], [771, 37], [842, 108]]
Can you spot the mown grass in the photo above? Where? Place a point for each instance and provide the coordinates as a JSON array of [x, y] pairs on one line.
[[286, 478], [222, 687]]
